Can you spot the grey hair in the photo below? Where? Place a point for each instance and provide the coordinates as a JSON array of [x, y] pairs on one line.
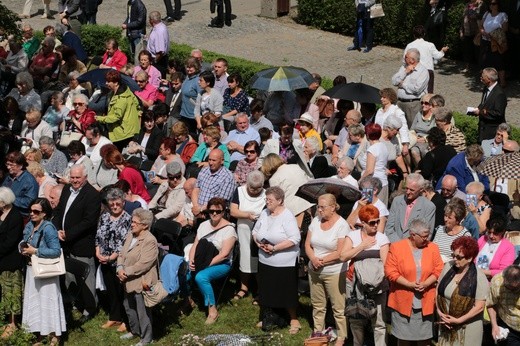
[[393, 122], [414, 54], [73, 75], [419, 226], [355, 113], [511, 274], [417, 178], [79, 166], [356, 130], [504, 127], [314, 143], [115, 193], [241, 115], [25, 78], [491, 73], [155, 16], [428, 186], [277, 192], [255, 178], [477, 185], [442, 114], [437, 100], [349, 163], [142, 74], [47, 140], [145, 216], [82, 97], [371, 182], [50, 41], [7, 196]]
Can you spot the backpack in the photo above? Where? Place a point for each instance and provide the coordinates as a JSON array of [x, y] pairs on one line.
[[370, 276]]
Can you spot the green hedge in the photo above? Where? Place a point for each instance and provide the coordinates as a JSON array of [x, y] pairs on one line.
[[8, 21], [93, 36]]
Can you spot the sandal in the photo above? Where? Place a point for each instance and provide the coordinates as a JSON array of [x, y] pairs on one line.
[[55, 341], [255, 301], [294, 329], [238, 296], [211, 319]]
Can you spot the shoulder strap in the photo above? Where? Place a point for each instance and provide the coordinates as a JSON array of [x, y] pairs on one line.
[[218, 229]]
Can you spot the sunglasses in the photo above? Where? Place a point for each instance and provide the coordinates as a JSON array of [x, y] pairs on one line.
[[425, 103], [36, 211], [458, 257], [75, 104], [140, 81], [174, 177], [250, 151], [214, 211], [373, 222]]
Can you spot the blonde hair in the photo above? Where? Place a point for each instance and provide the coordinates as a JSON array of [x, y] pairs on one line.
[[37, 154], [35, 169], [330, 199], [270, 165]]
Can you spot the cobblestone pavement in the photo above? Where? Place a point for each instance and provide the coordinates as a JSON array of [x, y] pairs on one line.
[[283, 42]]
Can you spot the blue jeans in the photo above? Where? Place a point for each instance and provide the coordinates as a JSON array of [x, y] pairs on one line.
[[204, 278]]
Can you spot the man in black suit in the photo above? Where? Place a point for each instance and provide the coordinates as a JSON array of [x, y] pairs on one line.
[[173, 99], [76, 219], [492, 109]]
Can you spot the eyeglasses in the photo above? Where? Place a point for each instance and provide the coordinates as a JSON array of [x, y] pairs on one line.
[[458, 257], [76, 104], [423, 237], [174, 177], [425, 103], [250, 151], [373, 223], [36, 211], [214, 211]]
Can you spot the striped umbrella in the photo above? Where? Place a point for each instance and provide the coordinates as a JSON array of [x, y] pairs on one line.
[[505, 166], [284, 78]]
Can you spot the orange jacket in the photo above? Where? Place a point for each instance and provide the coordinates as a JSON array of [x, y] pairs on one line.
[[400, 262]]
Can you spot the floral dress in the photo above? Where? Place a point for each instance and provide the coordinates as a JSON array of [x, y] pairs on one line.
[[111, 233], [240, 103]]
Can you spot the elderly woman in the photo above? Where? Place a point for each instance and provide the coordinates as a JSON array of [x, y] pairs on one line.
[[235, 98], [318, 163], [211, 135], [94, 141], [113, 226], [452, 229], [11, 264], [81, 116], [306, 129], [137, 268], [129, 173], [146, 144], [21, 182], [461, 296], [355, 145], [495, 252], [44, 181], [249, 164], [391, 127], [388, 101], [211, 254], [367, 244], [209, 100], [73, 89], [56, 113], [413, 267], [186, 145], [434, 162], [374, 161], [25, 94], [166, 155], [422, 123], [277, 236], [324, 242], [289, 178], [189, 91], [43, 311], [478, 204], [147, 93], [123, 111], [370, 187], [247, 203], [345, 167], [145, 64], [169, 200], [33, 128], [454, 136]]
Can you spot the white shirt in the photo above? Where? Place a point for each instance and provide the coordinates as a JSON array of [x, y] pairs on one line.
[[427, 50], [394, 110]]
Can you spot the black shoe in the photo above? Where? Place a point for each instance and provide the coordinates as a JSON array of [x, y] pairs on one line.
[[216, 24], [367, 49], [351, 48], [227, 22], [177, 17], [85, 318], [168, 19]]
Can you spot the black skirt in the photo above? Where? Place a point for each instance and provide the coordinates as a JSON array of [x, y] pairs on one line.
[[277, 286]]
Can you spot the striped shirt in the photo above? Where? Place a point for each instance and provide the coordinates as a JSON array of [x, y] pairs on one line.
[[444, 240]]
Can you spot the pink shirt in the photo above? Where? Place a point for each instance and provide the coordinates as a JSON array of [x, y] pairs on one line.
[[149, 93], [154, 76]]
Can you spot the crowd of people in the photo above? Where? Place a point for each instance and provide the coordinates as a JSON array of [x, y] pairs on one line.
[[91, 167]]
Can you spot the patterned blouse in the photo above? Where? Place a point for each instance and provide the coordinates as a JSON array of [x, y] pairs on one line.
[[243, 169], [111, 234], [240, 103], [456, 139]]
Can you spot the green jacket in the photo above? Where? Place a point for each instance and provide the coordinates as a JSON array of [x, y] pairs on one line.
[[123, 115], [31, 47]]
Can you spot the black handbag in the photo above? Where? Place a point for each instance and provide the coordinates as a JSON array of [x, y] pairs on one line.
[[360, 309]]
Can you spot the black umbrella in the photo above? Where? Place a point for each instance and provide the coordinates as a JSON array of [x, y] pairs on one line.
[[313, 189], [357, 92], [97, 78]]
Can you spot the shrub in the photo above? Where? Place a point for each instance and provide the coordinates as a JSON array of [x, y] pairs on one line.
[[468, 125], [8, 20], [94, 37]]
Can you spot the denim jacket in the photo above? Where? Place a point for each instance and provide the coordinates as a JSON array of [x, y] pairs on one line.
[[50, 245]]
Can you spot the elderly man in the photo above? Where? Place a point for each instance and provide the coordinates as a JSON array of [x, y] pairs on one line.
[[241, 135], [147, 93], [503, 304], [449, 189], [33, 128], [54, 161], [45, 62], [215, 180], [220, 67], [76, 218], [492, 108], [55, 194], [15, 62], [353, 117], [185, 217], [204, 66], [463, 167], [493, 146], [169, 200], [410, 206], [412, 82], [30, 44], [158, 42], [113, 57]]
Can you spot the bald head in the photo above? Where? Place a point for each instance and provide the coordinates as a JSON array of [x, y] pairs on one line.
[[353, 117], [215, 159], [449, 186], [511, 146], [189, 185]]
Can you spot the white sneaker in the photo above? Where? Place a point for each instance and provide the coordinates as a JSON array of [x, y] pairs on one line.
[[127, 336]]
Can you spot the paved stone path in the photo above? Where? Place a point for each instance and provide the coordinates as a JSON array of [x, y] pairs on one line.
[[283, 42]]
